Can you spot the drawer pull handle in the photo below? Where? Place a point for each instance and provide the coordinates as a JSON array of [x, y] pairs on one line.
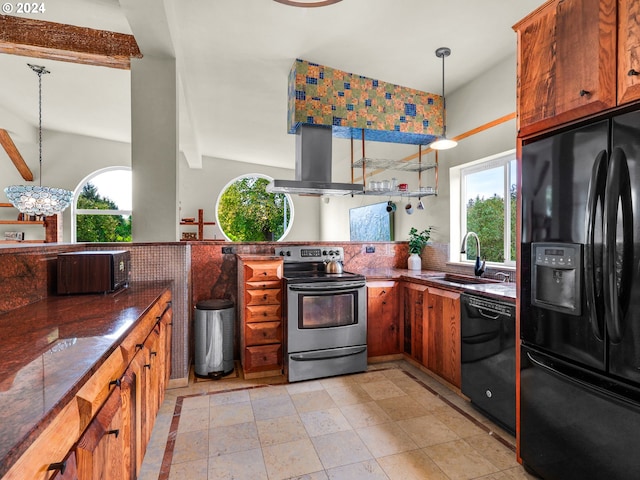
[[584, 92], [153, 354], [633, 72], [139, 346], [117, 382], [61, 466], [147, 365], [115, 432], [265, 314]]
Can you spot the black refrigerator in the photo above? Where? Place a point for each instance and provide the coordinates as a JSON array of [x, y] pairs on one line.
[[580, 302]]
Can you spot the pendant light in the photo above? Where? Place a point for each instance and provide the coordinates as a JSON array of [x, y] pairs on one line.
[[443, 143], [39, 200]]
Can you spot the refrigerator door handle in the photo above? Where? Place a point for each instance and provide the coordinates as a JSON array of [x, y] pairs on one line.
[[618, 269], [593, 251]]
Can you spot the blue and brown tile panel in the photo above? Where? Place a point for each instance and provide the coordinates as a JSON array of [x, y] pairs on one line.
[[322, 95]]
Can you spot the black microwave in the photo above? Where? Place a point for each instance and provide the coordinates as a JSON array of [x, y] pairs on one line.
[[93, 271]]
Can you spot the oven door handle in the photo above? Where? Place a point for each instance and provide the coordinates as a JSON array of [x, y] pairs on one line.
[[325, 287], [327, 354]]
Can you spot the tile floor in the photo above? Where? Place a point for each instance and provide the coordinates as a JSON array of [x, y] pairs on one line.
[[392, 422]]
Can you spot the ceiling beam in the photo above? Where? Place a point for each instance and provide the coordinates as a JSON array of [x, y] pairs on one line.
[[14, 155], [57, 41]]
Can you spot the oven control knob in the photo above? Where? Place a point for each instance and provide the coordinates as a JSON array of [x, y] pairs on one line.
[[324, 252], [282, 253], [288, 253]]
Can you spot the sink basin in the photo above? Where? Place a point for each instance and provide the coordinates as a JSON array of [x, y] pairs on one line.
[[462, 279]]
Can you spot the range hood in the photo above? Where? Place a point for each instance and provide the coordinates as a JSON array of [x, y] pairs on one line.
[[313, 166]]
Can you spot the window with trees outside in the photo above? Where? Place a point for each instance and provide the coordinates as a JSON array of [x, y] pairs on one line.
[[487, 206], [101, 210], [245, 211]]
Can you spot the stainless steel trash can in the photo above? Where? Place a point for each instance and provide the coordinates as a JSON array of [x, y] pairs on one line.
[[213, 334]]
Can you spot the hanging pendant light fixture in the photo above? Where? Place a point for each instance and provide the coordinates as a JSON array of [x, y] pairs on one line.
[[39, 200], [443, 143]]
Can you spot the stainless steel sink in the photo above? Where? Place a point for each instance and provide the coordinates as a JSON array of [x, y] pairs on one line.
[[461, 279]]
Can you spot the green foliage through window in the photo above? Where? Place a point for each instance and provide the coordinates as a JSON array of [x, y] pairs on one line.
[[247, 212], [100, 228]]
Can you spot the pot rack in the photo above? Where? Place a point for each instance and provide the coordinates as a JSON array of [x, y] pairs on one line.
[[403, 165]]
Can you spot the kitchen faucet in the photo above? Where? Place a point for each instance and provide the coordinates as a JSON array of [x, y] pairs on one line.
[[479, 266]]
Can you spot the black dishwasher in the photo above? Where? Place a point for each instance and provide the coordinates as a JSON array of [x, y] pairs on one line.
[[487, 329]]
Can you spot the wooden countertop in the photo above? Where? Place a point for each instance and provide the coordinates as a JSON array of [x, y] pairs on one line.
[[49, 349]]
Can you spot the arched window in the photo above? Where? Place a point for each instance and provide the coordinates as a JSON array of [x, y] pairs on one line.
[[101, 211], [245, 211]]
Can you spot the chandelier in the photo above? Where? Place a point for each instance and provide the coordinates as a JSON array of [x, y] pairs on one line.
[[36, 199]]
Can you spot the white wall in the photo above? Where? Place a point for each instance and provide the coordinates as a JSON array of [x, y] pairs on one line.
[[199, 188]]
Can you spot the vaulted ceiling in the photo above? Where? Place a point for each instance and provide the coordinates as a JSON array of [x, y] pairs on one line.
[[233, 58]]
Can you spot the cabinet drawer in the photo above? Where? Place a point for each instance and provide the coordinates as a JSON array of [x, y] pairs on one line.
[[262, 313], [50, 447], [263, 297], [264, 357], [263, 284], [263, 333], [263, 270]]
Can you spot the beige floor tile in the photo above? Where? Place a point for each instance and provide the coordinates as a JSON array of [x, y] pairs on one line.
[[226, 398], [240, 465], [291, 459], [386, 439], [233, 438], [382, 389], [365, 414], [273, 407], [194, 419], [312, 401], [368, 470], [341, 448], [281, 430], [300, 387], [190, 403], [459, 461], [427, 430], [370, 376], [340, 381], [221, 415], [428, 400], [270, 391], [413, 465], [348, 394], [321, 475], [494, 451], [196, 470], [400, 408], [323, 422], [457, 422], [191, 446], [395, 374], [408, 385]]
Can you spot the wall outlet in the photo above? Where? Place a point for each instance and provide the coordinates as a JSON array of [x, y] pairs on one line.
[[370, 249], [229, 250]]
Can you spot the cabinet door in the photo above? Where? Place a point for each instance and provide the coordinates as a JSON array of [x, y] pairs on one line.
[[415, 318], [101, 448], [586, 57], [536, 94], [444, 334], [383, 319], [628, 51]]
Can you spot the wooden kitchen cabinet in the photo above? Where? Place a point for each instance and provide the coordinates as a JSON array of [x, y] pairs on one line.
[[628, 51], [260, 309], [415, 317], [443, 338], [383, 319], [566, 62]]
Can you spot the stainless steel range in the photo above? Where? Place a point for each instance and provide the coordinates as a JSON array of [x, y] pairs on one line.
[[326, 314]]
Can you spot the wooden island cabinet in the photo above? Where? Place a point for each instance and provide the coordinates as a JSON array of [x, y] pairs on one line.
[[103, 429]]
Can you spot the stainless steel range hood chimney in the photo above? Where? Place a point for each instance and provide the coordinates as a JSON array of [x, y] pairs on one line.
[[313, 166]]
